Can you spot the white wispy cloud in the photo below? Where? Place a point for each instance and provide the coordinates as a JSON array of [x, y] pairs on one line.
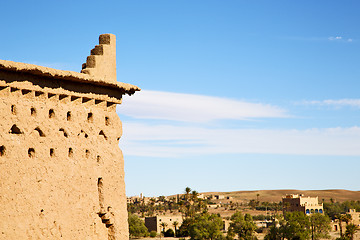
[[334, 38], [339, 38], [141, 139], [194, 108], [154, 139], [335, 103]]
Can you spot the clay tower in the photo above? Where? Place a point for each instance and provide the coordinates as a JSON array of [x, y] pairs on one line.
[[61, 170]]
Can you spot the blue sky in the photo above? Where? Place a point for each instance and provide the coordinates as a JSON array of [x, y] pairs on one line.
[[237, 95]]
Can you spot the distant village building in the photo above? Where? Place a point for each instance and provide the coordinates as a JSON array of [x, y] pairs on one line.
[[139, 199], [226, 225], [299, 203], [201, 196], [215, 197], [355, 216], [219, 197], [355, 219], [153, 223], [263, 223], [213, 206]]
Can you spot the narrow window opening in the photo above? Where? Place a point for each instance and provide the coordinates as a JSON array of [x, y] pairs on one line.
[[98, 101], [50, 95], [41, 133], [33, 111], [13, 109], [85, 99], [98, 159], [101, 194], [38, 93], [12, 89], [62, 96], [64, 132], [101, 133], [15, 130], [110, 104], [73, 98], [86, 136], [52, 152], [51, 113], [87, 153], [2, 150], [71, 152], [107, 121], [68, 116], [90, 117], [31, 152], [25, 91]]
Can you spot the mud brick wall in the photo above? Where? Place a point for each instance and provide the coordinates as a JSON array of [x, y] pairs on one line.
[[61, 170]]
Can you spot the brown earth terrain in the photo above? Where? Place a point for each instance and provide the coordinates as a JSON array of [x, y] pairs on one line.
[[338, 195]]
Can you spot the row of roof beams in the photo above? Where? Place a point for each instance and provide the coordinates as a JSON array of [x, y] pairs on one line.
[[65, 75]]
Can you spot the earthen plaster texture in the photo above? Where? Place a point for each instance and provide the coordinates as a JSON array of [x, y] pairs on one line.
[[62, 172]]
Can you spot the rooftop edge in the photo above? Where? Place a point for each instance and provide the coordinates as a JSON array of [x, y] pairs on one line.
[[65, 75]]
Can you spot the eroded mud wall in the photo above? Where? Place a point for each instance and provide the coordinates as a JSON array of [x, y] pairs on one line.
[[62, 173]]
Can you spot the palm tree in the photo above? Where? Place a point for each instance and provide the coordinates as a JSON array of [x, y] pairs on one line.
[[343, 218], [163, 225], [187, 192], [175, 224], [194, 195], [351, 229], [347, 218], [340, 224]]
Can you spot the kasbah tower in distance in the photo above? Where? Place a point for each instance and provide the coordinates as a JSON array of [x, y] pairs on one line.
[[62, 172]]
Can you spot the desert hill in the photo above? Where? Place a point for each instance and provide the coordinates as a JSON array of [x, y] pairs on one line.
[[338, 195]]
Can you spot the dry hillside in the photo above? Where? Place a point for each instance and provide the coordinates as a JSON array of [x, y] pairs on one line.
[[339, 195]]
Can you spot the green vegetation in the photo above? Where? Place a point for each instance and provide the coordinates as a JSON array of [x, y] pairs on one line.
[[153, 206], [175, 224], [319, 226], [153, 234], [242, 226], [163, 225], [333, 209], [205, 227], [297, 225], [351, 229], [137, 227], [198, 223], [187, 204], [265, 206]]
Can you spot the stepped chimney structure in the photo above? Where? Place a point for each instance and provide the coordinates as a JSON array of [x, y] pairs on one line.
[[61, 170]]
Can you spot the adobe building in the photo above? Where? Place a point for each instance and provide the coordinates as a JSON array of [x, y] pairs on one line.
[[299, 203], [355, 216], [154, 223], [354, 219], [62, 172]]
